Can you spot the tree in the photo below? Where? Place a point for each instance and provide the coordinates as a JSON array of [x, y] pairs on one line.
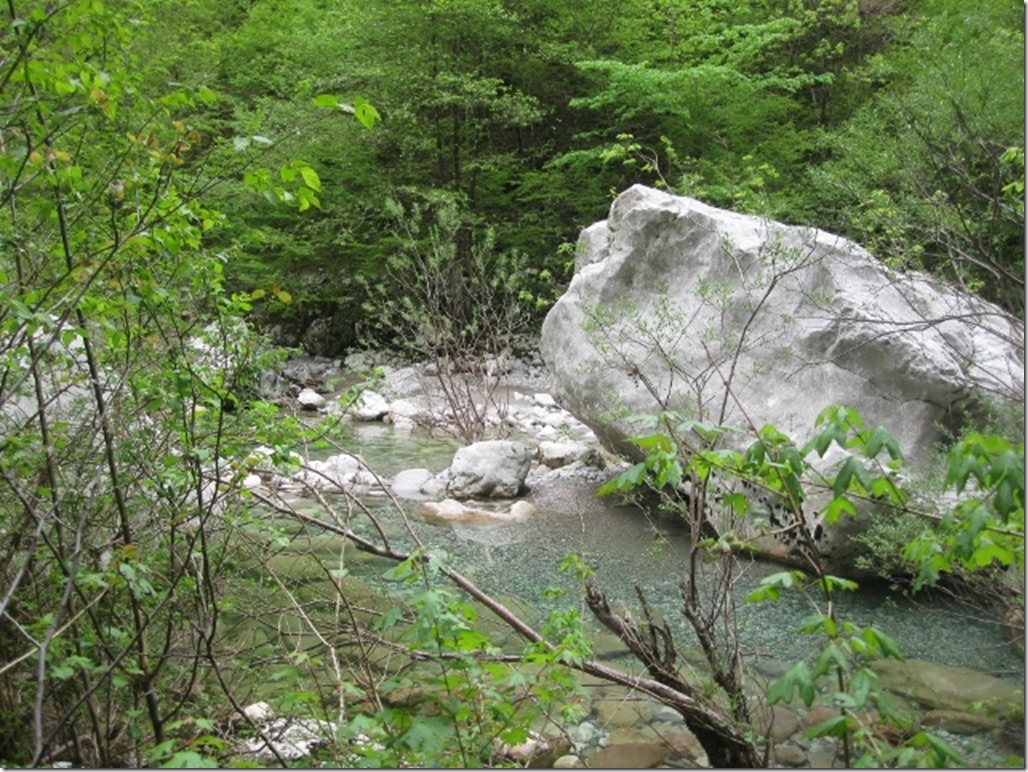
[[125, 373], [927, 174]]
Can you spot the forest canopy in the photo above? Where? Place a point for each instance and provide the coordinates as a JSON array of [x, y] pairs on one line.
[[897, 123]]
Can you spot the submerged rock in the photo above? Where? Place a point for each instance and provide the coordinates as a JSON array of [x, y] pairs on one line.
[[940, 688], [453, 511], [641, 755]]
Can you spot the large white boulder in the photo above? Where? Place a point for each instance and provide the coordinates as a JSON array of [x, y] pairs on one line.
[[493, 469], [723, 317], [737, 320]]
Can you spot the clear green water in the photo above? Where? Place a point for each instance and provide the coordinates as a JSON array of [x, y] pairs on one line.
[[521, 559]]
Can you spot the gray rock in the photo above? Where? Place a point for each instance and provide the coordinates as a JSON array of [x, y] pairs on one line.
[[959, 721], [310, 399], [569, 761], [628, 756], [545, 400], [370, 406], [778, 721], [938, 687], [406, 412], [310, 372], [557, 454], [490, 469], [403, 381], [336, 473], [326, 337], [672, 298], [790, 755], [408, 483]]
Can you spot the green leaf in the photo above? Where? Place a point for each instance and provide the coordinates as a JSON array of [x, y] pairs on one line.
[[837, 507], [987, 553], [850, 469], [653, 442], [814, 623], [427, 734], [325, 100], [796, 679], [310, 178], [737, 502], [943, 752], [888, 646], [832, 583], [861, 684], [389, 618], [879, 439], [365, 112], [830, 660], [836, 726], [189, 760], [770, 586]]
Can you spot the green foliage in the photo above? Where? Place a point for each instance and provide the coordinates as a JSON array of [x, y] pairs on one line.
[[130, 372], [130, 383], [986, 526], [472, 700], [980, 531], [448, 295], [926, 173]]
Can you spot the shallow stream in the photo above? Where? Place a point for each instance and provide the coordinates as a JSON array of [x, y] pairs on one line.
[[521, 559]]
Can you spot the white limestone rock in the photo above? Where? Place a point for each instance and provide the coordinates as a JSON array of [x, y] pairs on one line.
[[489, 469], [729, 318], [370, 406], [310, 399]]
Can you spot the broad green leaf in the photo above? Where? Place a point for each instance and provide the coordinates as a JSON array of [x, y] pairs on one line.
[[879, 439], [365, 112], [796, 679], [843, 700], [851, 468], [837, 507], [836, 726], [310, 178], [832, 583], [861, 684], [653, 442], [325, 100], [888, 646], [737, 502], [988, 553], [831, 659]]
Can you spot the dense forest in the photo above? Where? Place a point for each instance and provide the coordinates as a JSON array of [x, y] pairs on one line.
[[184, 183], [897, 123]]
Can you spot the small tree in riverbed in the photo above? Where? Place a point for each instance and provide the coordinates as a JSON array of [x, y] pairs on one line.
[[448, 296]]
